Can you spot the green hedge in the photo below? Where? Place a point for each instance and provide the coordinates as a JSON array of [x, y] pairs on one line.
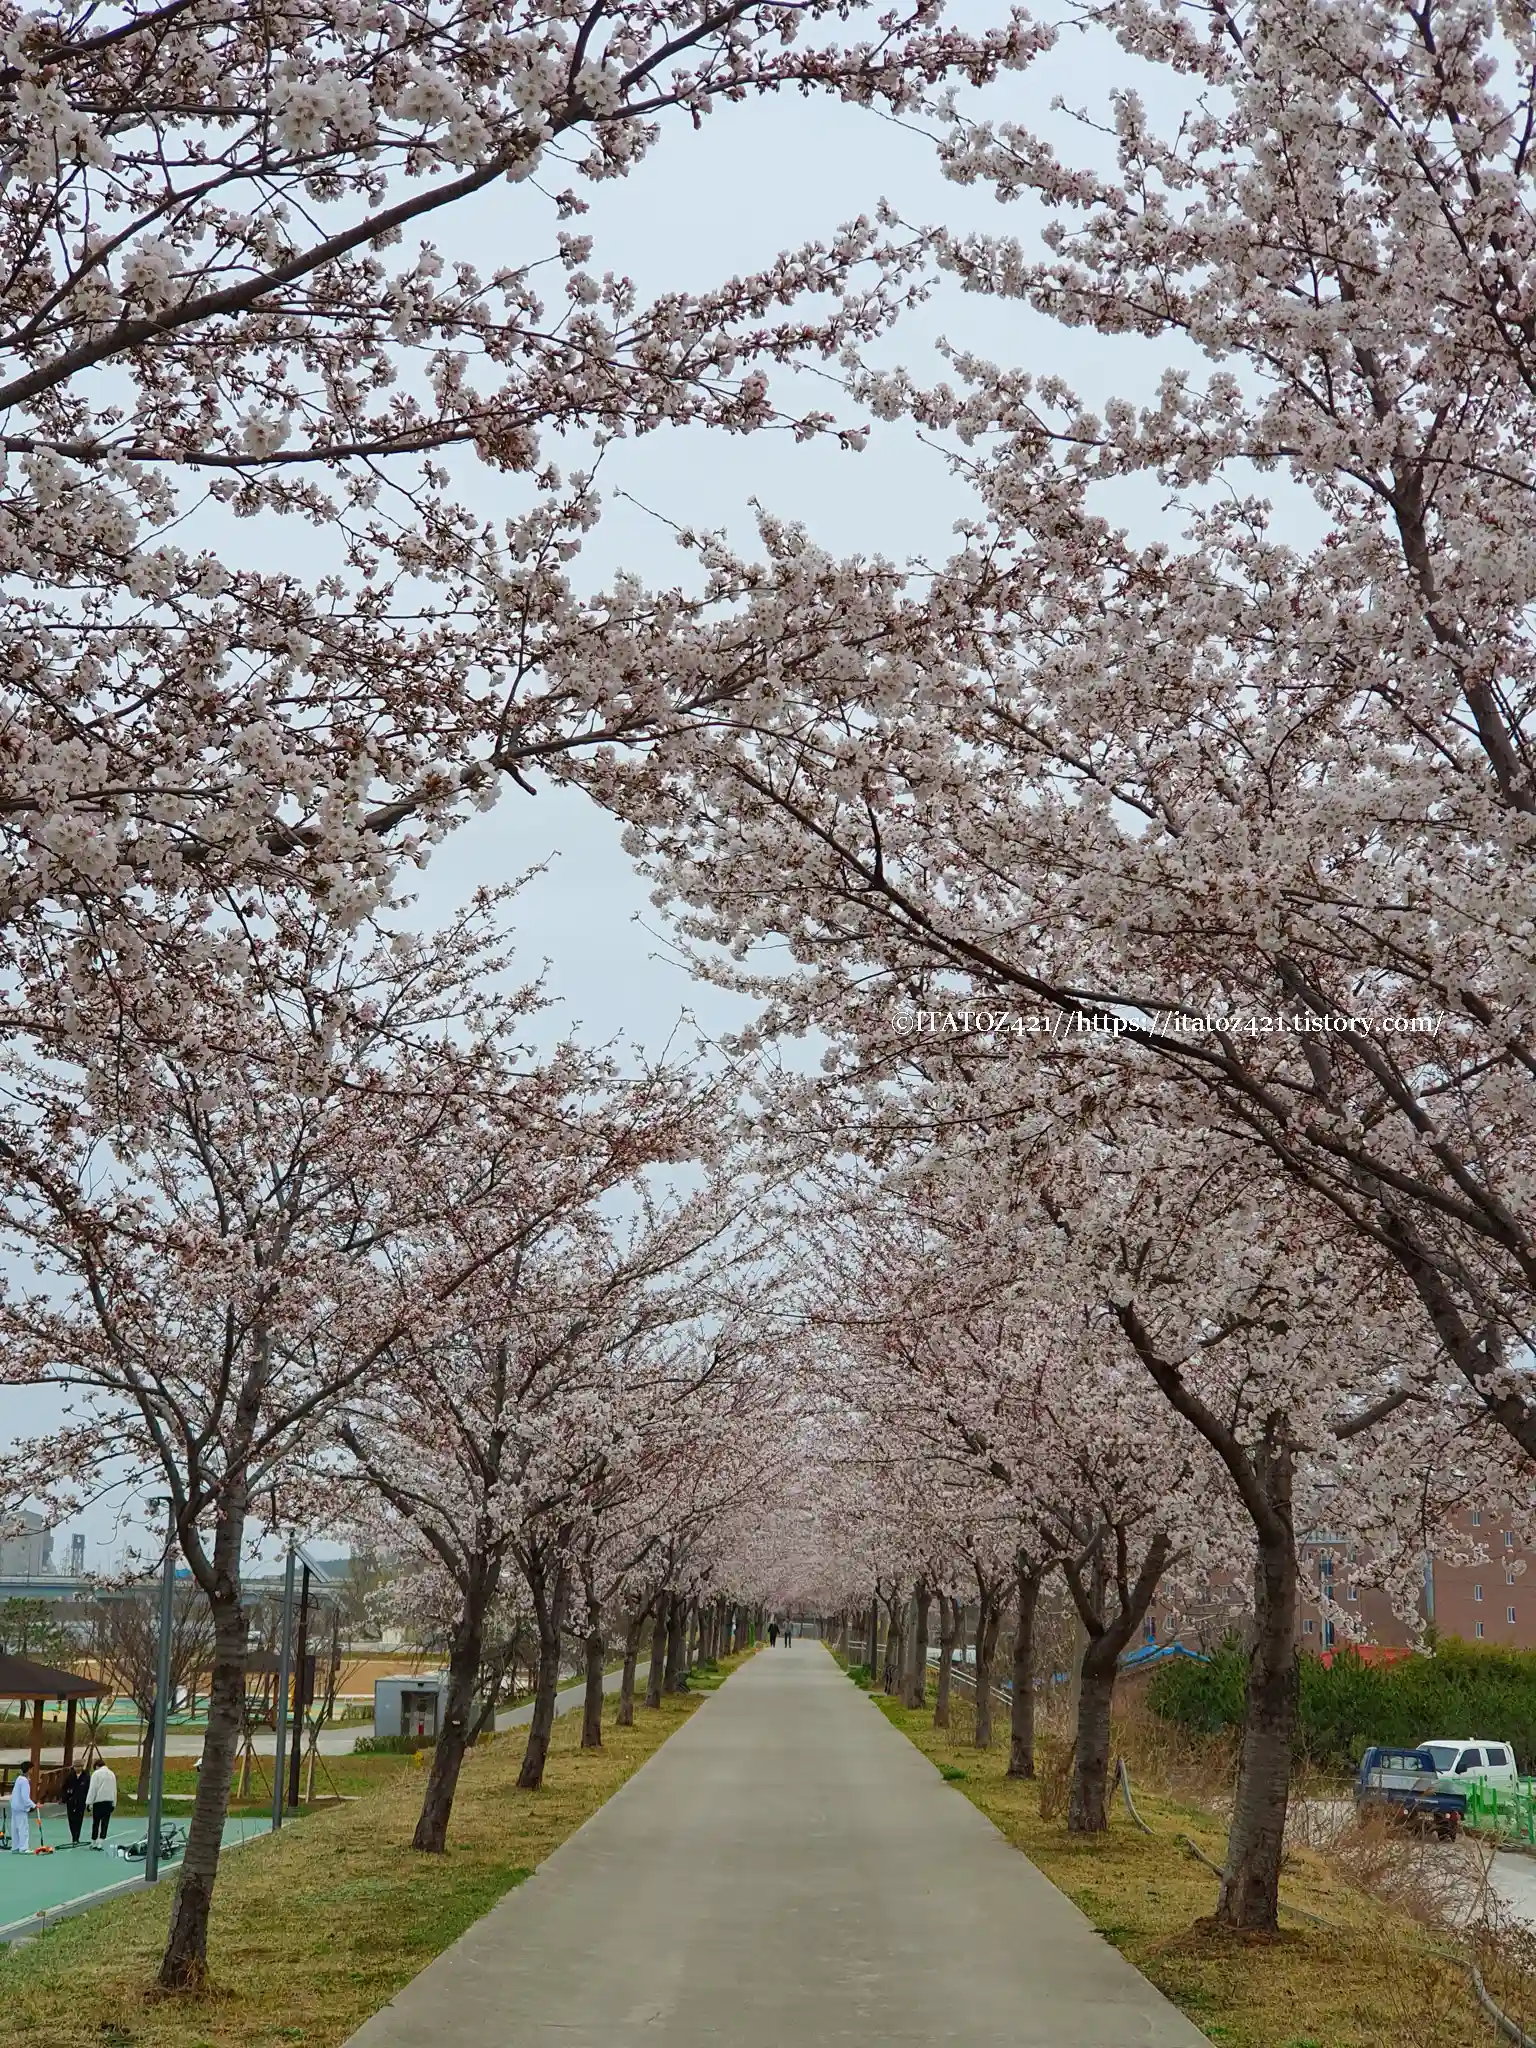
[[1458, 1690]]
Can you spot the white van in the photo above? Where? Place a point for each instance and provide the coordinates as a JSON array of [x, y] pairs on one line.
[[1471, 1760]]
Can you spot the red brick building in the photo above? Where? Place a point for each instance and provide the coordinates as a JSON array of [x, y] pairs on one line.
[[1492, 1600]]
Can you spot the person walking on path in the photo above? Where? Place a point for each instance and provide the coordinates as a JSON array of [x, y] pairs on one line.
[[22, 1809], [773, 1635], [789, 1633], [76, 1784], [101, 1797]]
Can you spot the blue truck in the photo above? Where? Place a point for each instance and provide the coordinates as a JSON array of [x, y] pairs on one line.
[[1405, 1785]]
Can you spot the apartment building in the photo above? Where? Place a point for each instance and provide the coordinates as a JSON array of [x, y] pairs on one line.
[[1491, 1599], [1487, 1600]]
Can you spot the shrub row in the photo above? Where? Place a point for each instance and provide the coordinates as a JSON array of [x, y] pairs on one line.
[[1457, 1689]]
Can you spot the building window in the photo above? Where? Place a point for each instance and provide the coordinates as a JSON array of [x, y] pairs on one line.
[[1477, 1592], [1327, 1635], [1354, 1592], [1509, 1539], [1306, 1626], [1477, 1628], [1509, 1614], [1477, 1518]]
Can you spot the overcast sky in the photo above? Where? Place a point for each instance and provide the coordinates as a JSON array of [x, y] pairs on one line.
[[706, 205]]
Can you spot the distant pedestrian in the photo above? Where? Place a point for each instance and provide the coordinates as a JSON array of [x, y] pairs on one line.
[[22, 1809], [773, 1635], [789, 1633], [101, 1797], [76, 1785]]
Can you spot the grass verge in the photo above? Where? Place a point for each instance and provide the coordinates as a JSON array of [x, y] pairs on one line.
[[1370, 1978], [316, 1929]]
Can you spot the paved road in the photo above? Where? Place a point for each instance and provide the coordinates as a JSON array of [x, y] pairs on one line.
[[788, 1869], [1511, 1874], [341, 1741]]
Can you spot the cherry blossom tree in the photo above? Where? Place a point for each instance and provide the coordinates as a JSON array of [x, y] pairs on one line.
[[1250, 807], [227, 1202], [242, 289], [516, 1436]]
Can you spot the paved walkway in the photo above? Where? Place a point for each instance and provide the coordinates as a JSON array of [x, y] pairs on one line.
[[788, 1872]]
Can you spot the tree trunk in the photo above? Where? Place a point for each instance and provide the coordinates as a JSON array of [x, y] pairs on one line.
[[549, 1607], [917, 1661], [592, 1703], [677, 1629], [1250, 1884], [948, 1624], [1088, 1799], [1021, 1710], [656, 1676], [453, 1737], [872, 1647], [890, 1671], [988, 1621], [184, 1965], [632, 1635]]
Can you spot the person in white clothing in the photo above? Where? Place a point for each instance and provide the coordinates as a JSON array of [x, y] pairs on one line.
[[22, 1809], [101, 1797]]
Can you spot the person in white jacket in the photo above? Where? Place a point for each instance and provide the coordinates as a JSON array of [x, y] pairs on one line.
[[101, 1797], [22, 1809]]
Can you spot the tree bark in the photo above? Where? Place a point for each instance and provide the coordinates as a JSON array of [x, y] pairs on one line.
[[592, 1702], [988, 1622], [1250, 1884], [656, 1676], [1028, 1578], [549, 1600], [632, 1636], [184, 1965], [453, 1737], [872, 1647], [949, 1619], [677, 1627], [1088, 1799], [891, 1670], [917, 1661]]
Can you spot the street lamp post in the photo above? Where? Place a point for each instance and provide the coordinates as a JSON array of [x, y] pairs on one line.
[[278, 1785], [162, 1700]]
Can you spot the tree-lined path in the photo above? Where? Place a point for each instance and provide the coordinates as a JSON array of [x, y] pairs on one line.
[[787, 1870]]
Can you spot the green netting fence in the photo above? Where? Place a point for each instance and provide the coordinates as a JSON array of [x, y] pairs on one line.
[[1504, 1809]]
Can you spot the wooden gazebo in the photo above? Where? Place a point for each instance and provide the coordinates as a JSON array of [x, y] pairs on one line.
[[34, 1685]]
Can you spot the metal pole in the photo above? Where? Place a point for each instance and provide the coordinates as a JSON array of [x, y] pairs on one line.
[[278, 1787], [162, 1702], [301, 1666]]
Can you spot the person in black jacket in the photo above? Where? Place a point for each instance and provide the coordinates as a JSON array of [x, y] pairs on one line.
[[75, 1784]]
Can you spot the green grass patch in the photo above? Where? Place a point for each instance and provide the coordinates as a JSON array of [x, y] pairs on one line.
[[316, 1928]]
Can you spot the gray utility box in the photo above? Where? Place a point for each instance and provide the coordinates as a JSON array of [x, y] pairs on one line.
[[412, 1705]]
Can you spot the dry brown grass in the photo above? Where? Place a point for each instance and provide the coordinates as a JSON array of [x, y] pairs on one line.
[[316, 1929], [1372, 1977]]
